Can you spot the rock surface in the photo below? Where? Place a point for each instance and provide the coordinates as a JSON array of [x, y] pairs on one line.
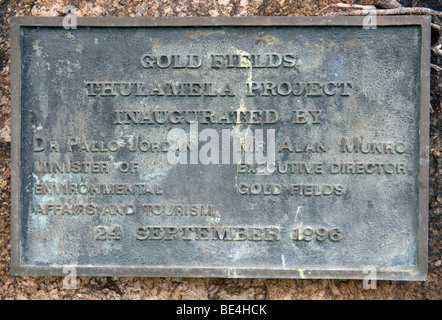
[[177, 288]]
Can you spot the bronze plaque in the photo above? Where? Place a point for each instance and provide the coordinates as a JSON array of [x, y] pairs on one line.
[[221, 147]]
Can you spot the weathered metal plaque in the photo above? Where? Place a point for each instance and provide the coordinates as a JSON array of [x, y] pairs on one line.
[[217, 147]]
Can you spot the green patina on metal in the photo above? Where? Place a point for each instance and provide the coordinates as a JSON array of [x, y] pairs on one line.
[[98, 109]]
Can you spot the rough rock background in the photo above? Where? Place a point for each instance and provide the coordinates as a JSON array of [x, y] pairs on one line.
[[177, 288]]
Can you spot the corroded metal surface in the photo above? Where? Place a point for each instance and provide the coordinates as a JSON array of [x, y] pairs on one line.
[[99, 111]]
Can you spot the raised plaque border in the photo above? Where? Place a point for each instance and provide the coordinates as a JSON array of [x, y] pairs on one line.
[[419, 274]]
